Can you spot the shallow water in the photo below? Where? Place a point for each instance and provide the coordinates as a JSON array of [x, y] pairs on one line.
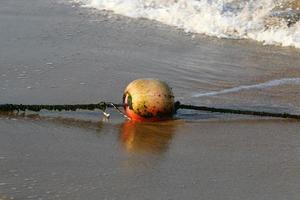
[[52, 52], [62, 159]]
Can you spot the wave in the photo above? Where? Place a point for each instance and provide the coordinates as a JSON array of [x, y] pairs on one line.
[[273, 22], [272, 83]]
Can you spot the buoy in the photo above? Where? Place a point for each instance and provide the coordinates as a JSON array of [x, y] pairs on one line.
[[148, 100]]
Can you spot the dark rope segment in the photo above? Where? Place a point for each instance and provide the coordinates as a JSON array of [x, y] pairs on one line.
[[67, 107], [236, 111]]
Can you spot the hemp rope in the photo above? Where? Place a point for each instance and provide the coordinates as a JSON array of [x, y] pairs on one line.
[[103, 105]]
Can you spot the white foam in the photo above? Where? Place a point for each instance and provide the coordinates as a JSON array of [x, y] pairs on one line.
[[220, 18], [272, 83]]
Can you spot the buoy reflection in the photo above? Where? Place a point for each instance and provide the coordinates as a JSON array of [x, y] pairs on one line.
[[147, 137]]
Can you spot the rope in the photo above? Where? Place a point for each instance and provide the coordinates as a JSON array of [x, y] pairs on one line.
[[67, 107], [103, 105], [236, 111]]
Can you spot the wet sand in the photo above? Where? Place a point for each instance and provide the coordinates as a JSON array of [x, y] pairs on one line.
[[53, 52]]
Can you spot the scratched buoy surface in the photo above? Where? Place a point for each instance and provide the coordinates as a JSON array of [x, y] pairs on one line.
[[148, 100]]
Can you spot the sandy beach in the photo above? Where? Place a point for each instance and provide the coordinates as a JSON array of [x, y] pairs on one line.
[[57, 52]]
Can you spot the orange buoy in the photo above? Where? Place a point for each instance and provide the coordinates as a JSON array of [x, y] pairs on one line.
[[148, 100]]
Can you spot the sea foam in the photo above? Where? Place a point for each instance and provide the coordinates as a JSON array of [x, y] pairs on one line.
[[268, 84], [269, 21]]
